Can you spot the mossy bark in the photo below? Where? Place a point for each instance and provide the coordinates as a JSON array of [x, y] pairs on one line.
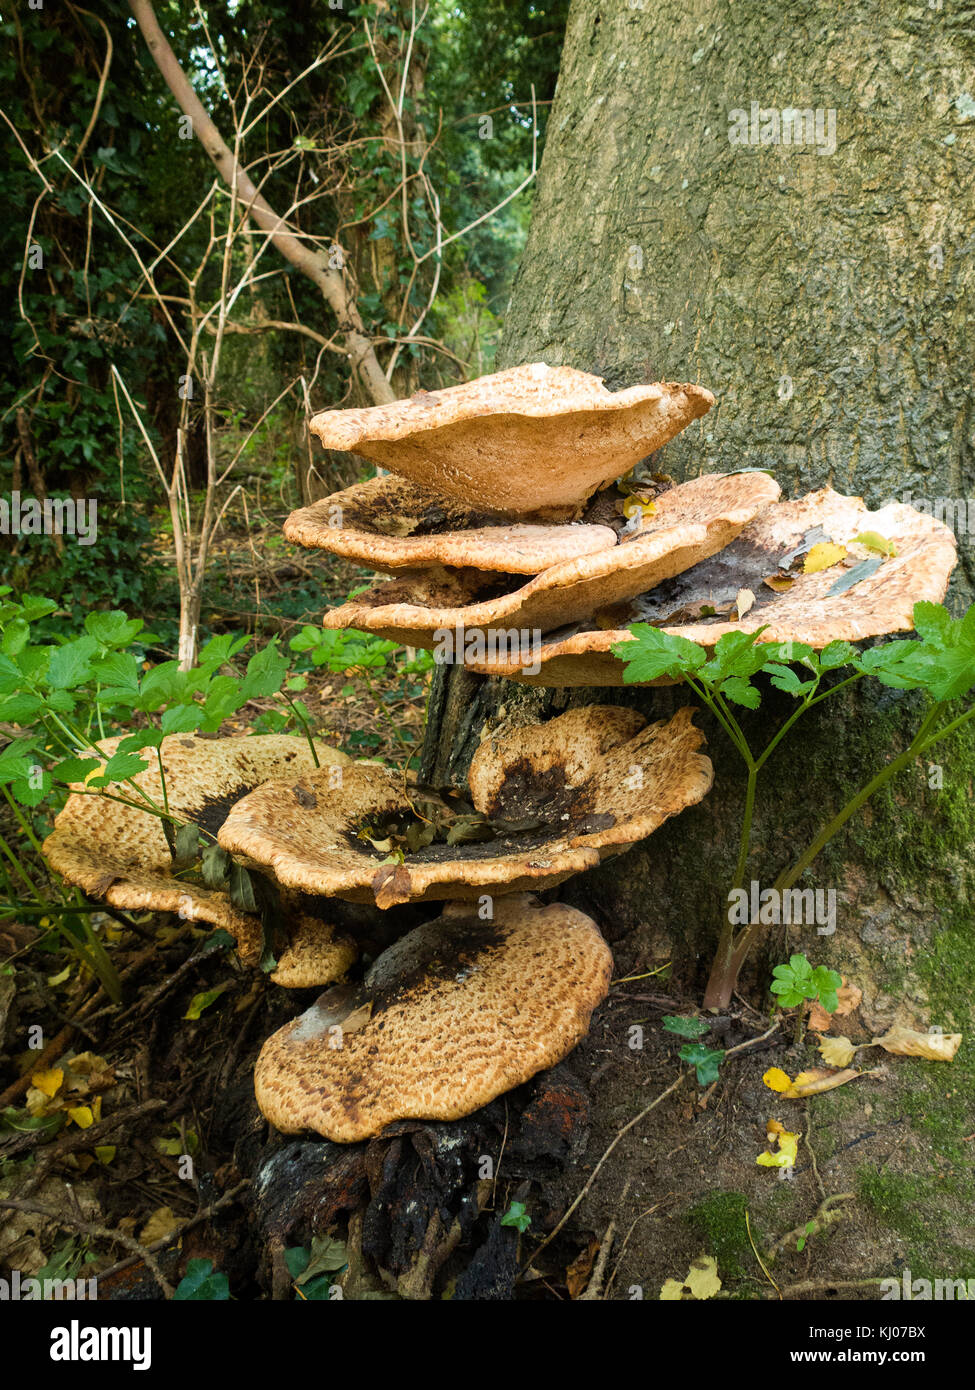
[[823, 295]]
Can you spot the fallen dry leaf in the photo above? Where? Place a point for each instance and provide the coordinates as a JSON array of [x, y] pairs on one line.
[[161, 1223], [391, 885], [836, 1052], [823, 557], [702, 1277], [48, 1081], [808, 1083], [787, 1147], [848, 996], [702, 1281], [779, 583], [744, 601], [905, 1042], [578, 1273], [357, 1019]]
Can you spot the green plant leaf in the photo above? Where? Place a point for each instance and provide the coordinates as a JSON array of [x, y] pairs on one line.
[[705, 1060], [202, 1283], [685, 1027]]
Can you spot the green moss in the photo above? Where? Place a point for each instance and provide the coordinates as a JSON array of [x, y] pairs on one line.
[[919, 1209], [720, 1221]]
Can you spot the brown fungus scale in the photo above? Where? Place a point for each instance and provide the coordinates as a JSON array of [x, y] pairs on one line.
[[866, 594], [119, 854], [390, 524], [452, 1015], [532, 440], [689, 522], [572, 774]]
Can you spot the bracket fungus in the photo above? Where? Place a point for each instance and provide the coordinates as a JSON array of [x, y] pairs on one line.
[[390, 524], [849, 591], [532, 439], [564, 793], [119, 853], [690, 522], [456, 1012]]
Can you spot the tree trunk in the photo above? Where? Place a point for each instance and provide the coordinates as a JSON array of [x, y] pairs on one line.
[[821, 293]]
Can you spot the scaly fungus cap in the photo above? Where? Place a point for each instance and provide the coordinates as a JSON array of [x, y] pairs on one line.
[[453, 1014], [572, 776], [804, 610], [390, 524], [692, 520], [119, 855], [532, 439]]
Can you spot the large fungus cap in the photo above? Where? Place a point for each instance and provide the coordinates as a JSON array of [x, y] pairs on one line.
[[389, 524], [530, 439], [691, 521], [876, 594], [573, 779], [118, 854], [453, 1014]]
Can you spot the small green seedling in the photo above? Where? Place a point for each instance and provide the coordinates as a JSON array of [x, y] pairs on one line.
[[801, 1242], [798, 981], [685, 1027], [706, 1061], [517, 1216]]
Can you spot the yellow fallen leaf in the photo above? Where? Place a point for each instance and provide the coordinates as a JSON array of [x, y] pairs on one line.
[[836, 1052], [702, 1281], [787, 1147], [905, 1042], [82, 1116], [59, 979], [105, 1152], [779, 583], [48, 1081], [161, 1223], [873, 540], [823, 557], [702, 1277], [808, 1083], [632, 505]]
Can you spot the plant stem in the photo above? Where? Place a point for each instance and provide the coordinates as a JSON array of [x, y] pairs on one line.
[[728, 962]]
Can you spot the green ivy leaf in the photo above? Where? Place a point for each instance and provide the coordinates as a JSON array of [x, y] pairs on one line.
[[685, 1027]]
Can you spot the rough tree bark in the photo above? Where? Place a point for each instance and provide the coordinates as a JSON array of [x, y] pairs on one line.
[[823, 298]]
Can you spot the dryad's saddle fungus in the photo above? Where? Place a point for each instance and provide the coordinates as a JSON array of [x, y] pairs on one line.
[[119, 854], [533, 439], [690, 522], [390, 524], [865, 594], [565, 792], [453, 1014]]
